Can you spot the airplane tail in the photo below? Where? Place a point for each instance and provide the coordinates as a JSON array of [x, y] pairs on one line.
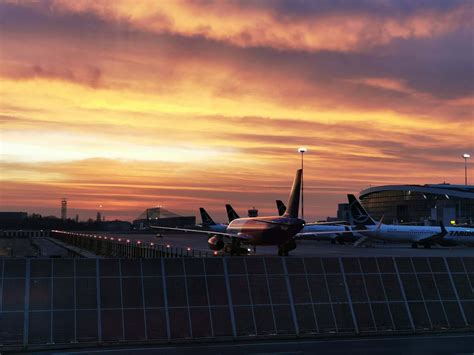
[[281, 207], [206, 219], [231, 213], [357, 213], [294, 199]]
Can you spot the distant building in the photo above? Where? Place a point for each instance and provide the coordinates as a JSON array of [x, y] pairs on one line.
[[7, 218], [343, 212], [115, 226], [253, 212], [426, 204], [64, 208], [162, 217]]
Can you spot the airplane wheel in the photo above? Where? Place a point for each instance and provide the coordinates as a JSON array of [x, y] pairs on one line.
[[333, 241], [414, 245]]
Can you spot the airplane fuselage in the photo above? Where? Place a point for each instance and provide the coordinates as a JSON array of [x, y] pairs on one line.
[[396, 233], [265, 230]]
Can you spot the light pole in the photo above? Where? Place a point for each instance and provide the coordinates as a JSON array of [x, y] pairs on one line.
[[466, 157], [302, 150]]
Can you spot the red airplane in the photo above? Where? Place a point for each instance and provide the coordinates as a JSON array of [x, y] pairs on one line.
[[256, 231]]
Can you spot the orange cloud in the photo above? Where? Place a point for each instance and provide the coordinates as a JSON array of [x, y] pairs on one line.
[[132, 105], [255, 26]]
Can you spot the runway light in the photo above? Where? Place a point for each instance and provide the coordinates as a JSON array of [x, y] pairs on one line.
[[302, 149], [139, 242], [152, 244], [453, 222], [111, 238], [167, 245], [466, 156], [215, 253], [188, 249], [120, 239], [249, 250], [128, 240]]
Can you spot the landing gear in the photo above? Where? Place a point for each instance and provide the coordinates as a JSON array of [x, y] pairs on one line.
[[414, 245], [234, 247], [282, 252], [285, 248], [427, 246]]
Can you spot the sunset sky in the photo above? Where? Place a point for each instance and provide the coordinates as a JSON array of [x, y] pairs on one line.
[[134, 104]]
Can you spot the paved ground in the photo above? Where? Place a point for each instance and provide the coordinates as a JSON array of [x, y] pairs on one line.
[[198, 242], [18, 247], [48, 248], [437, 344]]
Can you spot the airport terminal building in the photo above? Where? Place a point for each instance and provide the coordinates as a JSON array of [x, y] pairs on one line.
[[162, 217], [425, 204]]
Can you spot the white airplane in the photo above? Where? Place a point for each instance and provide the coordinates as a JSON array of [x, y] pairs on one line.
[[335, 232], [416, 235]]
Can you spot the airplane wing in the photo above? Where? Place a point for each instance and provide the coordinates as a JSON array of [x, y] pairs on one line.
[[333, 232], [435, 237], [189, 230], [326, 223], [210, 233]]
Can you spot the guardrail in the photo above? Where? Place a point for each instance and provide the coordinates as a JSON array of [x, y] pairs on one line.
[[120, 247]]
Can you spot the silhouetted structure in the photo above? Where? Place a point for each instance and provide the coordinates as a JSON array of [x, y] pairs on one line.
[[64, 208], [162, 217], [253, 212]]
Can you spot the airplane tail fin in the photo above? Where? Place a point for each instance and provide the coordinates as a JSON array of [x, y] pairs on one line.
[[231, 213], [206, 219], [294, 199], [357, 213], [443, 228], [281, 207]]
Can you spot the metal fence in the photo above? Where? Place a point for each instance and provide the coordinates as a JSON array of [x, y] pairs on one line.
[[120, 247], [97, 301], [17, 233]]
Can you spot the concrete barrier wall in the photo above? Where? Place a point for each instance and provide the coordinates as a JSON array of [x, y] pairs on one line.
[[67, 301]]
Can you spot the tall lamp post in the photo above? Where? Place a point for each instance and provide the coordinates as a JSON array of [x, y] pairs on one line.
[[302, 150], [466, 157]]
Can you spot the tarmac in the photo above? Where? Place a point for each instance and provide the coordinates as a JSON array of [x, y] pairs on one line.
[[424, 344], [198, 242]]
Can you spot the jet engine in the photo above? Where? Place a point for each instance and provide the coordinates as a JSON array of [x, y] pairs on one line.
[[215, 243]]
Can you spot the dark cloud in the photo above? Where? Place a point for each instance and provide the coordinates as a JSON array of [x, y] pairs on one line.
[[320, 8], [439, 66], [85, 75]]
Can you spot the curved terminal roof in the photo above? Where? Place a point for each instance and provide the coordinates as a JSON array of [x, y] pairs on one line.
[[460, 191]]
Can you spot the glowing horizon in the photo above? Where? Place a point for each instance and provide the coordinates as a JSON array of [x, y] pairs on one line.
[[190, 104]]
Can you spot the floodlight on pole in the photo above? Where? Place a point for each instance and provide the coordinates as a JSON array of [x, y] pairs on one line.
[[302, 150], [466, 156]]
